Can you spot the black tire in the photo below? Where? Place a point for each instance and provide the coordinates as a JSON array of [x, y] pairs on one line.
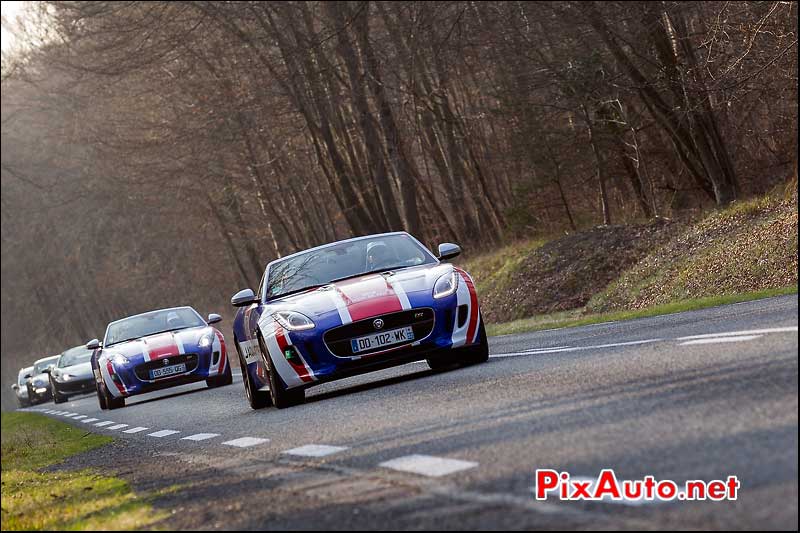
[[220, 381], [470, 355], [101, 398], [256, 398], [59, 398], [110, 401], [478, 353], [281, 396]]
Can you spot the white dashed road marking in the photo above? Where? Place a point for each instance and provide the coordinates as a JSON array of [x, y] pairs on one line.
[[577, 348], [163, 433], [788, 329], [315, 450], [79, 417], [201, 436], [103, 424], [88, 420], [717, 340], [428, 465], [245, 442], [137, 429], [117, 426]]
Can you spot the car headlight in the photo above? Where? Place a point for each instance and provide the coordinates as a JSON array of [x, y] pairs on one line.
[[292, 320], [65, 377], [445, 285], [206, 341], [119, 360]]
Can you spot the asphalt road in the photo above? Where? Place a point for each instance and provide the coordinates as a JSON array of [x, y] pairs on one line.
[[636, 396]]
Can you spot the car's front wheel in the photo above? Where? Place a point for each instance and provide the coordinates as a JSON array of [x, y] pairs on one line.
[[281, 396], [58, 397], [468, 355], [256, 398], [107, 401], [226, 378]]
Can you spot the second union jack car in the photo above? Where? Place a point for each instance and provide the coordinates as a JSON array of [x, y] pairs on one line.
[[352, 307], [157, 350]]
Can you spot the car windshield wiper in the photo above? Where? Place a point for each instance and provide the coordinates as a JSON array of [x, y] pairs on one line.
[[295, 291], [149, 334], [376, 271]]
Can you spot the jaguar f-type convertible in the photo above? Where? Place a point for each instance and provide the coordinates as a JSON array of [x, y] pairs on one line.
[[156, 350], [352, 307]]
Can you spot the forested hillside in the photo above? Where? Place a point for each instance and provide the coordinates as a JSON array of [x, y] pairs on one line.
[[161, 153]]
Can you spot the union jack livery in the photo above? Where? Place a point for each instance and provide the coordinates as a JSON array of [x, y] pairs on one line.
[[157, 350], [352, 307]]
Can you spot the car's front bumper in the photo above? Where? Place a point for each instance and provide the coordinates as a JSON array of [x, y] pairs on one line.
[[75, 386], [448, 319]]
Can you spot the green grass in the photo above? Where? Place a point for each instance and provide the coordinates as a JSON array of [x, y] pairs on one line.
[[579, 317], [37, 500], [493, 271]]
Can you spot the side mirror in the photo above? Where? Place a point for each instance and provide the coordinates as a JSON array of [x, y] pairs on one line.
[[243, 297], [448, 250], [15, 386], [93, 344], [213, 318]]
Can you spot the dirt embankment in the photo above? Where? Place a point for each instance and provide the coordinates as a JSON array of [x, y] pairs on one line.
[[750, 246]]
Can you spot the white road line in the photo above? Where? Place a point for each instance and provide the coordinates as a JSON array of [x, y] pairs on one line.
[[428, 465], [578, 348], [90, 420], [72, 415], [788, 329], [201, 436], [137, 429], [315, 450], [79, 417], [117, 426], [537, 350], [719, 340], [163, 433], [103, 424], [245, 442]]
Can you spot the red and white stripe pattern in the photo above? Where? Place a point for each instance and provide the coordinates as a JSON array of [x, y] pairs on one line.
[[369, 297], [160, 346], [466, 294], [218, 345], [116, 388], [294, 373]]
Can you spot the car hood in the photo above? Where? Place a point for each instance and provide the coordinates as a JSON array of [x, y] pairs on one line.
[[160, 344], [82, 370], [355, 291], [40, 378]]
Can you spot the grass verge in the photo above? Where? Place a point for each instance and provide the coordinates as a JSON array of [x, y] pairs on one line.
[[37, 500], [579, 317]]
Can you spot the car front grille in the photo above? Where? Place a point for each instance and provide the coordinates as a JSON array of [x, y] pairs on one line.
[[338, 339], [143, 371]]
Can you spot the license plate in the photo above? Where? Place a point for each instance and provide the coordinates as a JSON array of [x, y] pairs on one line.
[[167, 371], [385, 338]]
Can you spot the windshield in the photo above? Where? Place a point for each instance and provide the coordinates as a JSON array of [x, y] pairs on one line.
[[25, 372], [39, 366], [151, 323], [74, 356], [344, 260]]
